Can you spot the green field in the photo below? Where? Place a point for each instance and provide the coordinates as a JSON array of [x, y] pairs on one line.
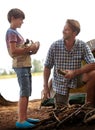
[[14, 75]]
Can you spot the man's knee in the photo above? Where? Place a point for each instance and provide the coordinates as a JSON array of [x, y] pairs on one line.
[[89, 76]]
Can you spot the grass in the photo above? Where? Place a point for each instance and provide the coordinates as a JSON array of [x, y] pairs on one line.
[[14, 75], [7, 76]]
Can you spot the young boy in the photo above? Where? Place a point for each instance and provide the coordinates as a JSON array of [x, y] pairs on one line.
[[21, 64]]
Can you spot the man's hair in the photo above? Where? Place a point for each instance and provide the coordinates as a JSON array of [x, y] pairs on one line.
[[16, 13], [74, 25]]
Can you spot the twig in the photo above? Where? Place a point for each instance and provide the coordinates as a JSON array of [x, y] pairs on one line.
[[56, 117], [72, 114]]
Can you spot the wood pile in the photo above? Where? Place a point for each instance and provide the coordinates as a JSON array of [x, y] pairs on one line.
[[69, 115]]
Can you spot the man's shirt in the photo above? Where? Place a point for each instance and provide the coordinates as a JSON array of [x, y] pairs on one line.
[[59, 57]]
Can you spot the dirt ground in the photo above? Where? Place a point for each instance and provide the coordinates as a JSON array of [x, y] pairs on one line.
[[8, 116]]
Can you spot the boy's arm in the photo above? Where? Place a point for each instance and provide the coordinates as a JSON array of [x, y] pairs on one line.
[[14, 50]]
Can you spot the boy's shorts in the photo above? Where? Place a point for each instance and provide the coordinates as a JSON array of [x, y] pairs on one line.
[[24, 80]]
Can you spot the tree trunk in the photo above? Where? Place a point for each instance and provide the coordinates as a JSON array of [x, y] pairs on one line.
[[4, 102]]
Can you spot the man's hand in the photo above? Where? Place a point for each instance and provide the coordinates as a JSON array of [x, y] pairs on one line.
[[69, 74], [60, 71], [46, 93]]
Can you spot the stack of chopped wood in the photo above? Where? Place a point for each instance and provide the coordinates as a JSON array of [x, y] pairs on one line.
[[69, 115]]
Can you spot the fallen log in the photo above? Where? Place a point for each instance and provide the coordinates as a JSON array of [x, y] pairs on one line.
[[4, 102]]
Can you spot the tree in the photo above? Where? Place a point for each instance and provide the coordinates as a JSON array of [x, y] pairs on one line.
[[4, 102], [37, 66]]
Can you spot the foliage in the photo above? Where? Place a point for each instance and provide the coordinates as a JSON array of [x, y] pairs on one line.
[[6, 72], [37, 66]]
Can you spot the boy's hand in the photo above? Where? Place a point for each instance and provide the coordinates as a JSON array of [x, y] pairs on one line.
[[34, 48], [37, 44]]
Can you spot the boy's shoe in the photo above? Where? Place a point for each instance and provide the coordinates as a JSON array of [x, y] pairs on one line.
[[31, 120], [25, 124]]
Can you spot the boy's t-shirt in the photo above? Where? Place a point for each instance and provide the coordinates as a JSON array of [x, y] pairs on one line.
[[24, 60]]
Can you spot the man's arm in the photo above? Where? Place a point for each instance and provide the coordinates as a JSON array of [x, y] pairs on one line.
[[85, 69], [46, 76]]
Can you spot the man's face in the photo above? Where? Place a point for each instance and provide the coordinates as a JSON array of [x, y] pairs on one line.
[[67, 32]]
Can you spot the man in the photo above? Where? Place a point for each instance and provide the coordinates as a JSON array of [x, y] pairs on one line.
[[67, 54]]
